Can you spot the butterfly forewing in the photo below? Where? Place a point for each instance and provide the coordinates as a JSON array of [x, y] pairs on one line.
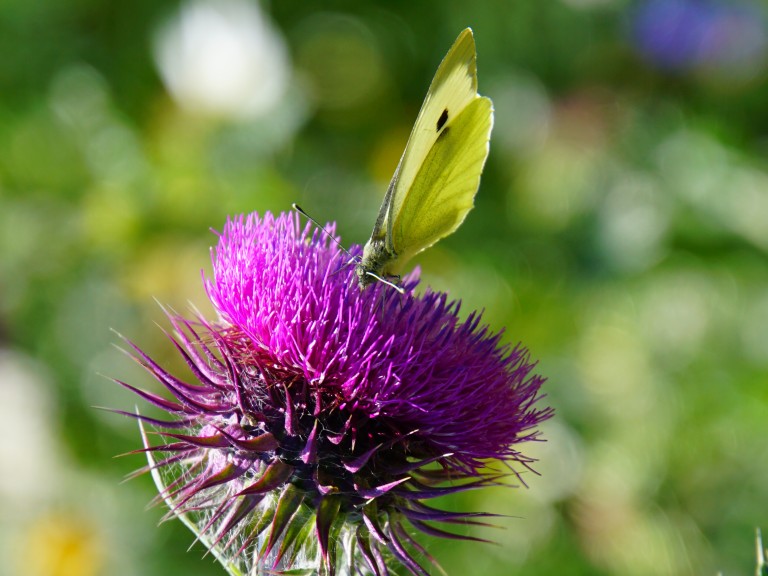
[[438, 175], [453, 87]]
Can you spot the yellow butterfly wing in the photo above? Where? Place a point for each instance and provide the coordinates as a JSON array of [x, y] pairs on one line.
[[437, 177], [444, 189], [453, 87]]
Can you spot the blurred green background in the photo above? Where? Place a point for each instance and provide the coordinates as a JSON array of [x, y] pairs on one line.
[[620, 232]]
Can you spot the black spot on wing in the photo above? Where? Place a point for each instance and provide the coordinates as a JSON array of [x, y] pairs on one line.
[[442, 120]]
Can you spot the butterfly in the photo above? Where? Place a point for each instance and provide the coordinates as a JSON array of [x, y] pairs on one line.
[[438, 175]]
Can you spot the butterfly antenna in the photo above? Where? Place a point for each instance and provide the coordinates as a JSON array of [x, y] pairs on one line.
[[385, 281], [301, 211]]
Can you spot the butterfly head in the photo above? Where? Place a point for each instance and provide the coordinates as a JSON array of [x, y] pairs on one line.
[[376, 258]]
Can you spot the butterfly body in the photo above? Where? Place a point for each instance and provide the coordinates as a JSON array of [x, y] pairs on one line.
[[438, 175]]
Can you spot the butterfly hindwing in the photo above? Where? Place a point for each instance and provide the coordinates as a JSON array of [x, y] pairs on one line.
[[452, 167]]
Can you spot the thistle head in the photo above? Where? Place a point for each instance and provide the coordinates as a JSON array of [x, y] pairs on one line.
[[322, 419]]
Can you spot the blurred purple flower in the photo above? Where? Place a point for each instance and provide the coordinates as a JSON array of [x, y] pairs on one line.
[[730, 37], [323, 417]]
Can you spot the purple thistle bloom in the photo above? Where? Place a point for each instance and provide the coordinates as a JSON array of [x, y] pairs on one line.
[[323, 417]]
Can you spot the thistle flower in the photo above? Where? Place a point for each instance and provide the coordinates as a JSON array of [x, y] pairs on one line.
[[323, 418]]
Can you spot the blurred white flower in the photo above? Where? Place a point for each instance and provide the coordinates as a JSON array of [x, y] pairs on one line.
[[223, 58], [56, 519], [34, 458]]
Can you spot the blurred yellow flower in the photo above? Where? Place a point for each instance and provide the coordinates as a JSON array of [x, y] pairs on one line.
[[60, 544]]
